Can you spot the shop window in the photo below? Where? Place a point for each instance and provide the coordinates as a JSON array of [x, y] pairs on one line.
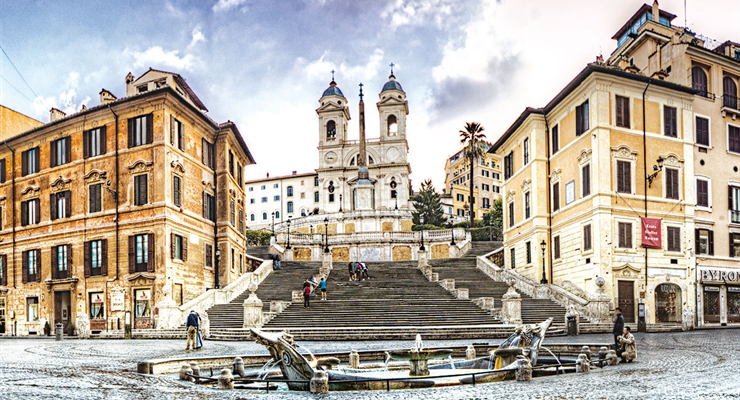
[[142, 307], [668, 302], [711, 304], [733, 304], [97, 306], [33, 309]]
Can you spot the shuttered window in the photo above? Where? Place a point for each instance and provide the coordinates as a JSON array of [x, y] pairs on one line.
[[702, 131], [95, 198], [31, 261], [528, 247], [96, 258], [582, 123], [674, 238], [511, 214], [729, 95], [178, 247], [699, 81], [556, 247], [93, 142], [60, 151], [141, 187], [556, 196], [30, 211], [586, 180], [3, 270], [625, 235], [587, 237], [140, 130], [141, 253], [624, 177], [2, 171], [733, 138], [555, 139], [209, 256], [702, 193], [512, 258], [60, 205], [177, 191], [209, 207], [670, 126], [30, 161], [704, 241], [734, 244], [208, 154], [61, 261], [622, 113], [177, 133], [671, 184]]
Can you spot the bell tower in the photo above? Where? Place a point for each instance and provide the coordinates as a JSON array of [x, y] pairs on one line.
[[392, 110], [333, 116]]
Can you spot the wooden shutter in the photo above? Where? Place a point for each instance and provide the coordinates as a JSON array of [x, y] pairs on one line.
[[620, 111], [24, 266], [131, 131], [54, 264], [729, 197], [4, 261], [181, 132], [711, 243], [586, 189], [184, 246], [556, 196], [24, 163], [177, 189], [87, 258], [149, 130], [68, 149], [103, 147], [173, 247], [557, 247], [2, 171], [36, 152], [628, 234], [69, 260], [150, 255], [131, 254], [104, 257], [696, 241], [67, 203], [203, 157], [205, 203], [24, 213], [53, 206], [172, 130], [579, 120], [732, 244], [86, 143]]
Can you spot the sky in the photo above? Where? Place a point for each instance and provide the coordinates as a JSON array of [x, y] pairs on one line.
[[264, 64]]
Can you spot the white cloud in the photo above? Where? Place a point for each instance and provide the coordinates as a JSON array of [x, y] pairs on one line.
[[65, 101], [198, 36], [416, 12], [321, 68], [157, 57], [225, 5]]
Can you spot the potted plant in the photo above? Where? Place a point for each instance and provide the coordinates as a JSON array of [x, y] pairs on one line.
[[70, 328], [47, 328]]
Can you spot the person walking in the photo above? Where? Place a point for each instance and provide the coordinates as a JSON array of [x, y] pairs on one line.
[[191, 325], [618, 328], [277, 261], [306, 294], [351, 269], [358, 271], [628, 351], [198, 335], [322, 286], [365, 275]]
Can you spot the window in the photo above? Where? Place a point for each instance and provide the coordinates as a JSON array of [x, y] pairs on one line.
[[232, 208], [303, 195], [233, 259], [699, 81], [290, 207], [141, 253], [140, 130], [60, 205], [262, 187], [734, 244], [239, 176], [61, 260], [264, 216], [392, 125], [251, 188], [674, 238], [704, 241], [555, 139], [209, 207], [251, 217], [509, 165], [460, 197], [315, 197], [486, 203], [177, 191], [208, 262], [178, 247], [177, 133], [209, 155], [142, 307], [231, 163], [625, 235], [3, 274], [93, 142], [140, 190], [556, 247], [277, 214], [95, 199], [30, 211], [33, 309], [31, 261], [275, 186], [526, 205], [263, 200], [702, 193], [526, 151], [622, 112], [331, 197], [586, 180], [316, 181], [529, 252], [60, 152], [241, 221], [733, 138], [485, 186], [251, 201], [289, 191], [729, 96], [96, 258], [624, 177], [512, 258], [582, 118], [485, 173], [702, 131], [587, 237], [670, 126], [496, 175], [556, 196], [511, 214], [671, 184], [97, 306], [734, 203], [30, 161], [276, 198], [331, 130]]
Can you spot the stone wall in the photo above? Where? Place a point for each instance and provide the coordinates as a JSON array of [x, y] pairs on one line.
[[402, 253]]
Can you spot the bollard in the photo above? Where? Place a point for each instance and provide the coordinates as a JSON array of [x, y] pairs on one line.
[[225, 380], [587, 351], [470, 352], [184, 371], [354, 359], [523, 369], [239, 367], [611, 358], [58, 332], [319, 382], [583, 363], [196, 371]]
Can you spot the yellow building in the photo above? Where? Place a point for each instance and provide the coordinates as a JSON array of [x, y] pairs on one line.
[[486, 184], [12, 123], [111, 210], [649, 43]]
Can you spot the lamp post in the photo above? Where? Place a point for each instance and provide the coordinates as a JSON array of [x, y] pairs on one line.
[[340, 202], [421, 219], [490, 227], [396, 202], [288, 246], [452, 229], [218, 263], [467, 221], [326, 232], [273, 223], [543, 245]]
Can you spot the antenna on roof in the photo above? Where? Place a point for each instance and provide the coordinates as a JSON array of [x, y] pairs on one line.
[[685, 19]]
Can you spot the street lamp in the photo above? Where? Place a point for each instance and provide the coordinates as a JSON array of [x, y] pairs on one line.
[[467, 214], [326, 232], [421, 219], [273, 223], [340, 202], [452, 229], [656, 168], [218, 263], [288, 246], [543, 245], [490, 227]]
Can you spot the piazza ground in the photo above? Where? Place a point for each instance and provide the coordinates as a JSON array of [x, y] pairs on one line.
[[699, 364]]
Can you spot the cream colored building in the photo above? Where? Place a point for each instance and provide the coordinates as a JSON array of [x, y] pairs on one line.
[[486, 183], [277, 199]]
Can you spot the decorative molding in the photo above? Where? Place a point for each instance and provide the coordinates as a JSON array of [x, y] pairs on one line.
[[510, 196], [95, 175], [526, 185], [142, 278], [140, 166], [208, 186], [555, 175], [232, 193], [626, 270], [177, 167], [60, 184], [585, 156], [672, 160], [624, 152], [30, 192]]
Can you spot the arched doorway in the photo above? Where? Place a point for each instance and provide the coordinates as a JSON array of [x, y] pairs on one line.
[[668, 302]]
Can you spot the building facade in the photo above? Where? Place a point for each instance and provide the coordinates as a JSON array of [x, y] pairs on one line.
[[281, 198], [111, 210], [486, 183]]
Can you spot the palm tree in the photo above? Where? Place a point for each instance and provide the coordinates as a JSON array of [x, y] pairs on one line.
[[472, 138]]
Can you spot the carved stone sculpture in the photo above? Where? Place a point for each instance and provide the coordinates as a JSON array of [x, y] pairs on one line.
[[583, 363], [225, 380], [523, 369], [319, 382]]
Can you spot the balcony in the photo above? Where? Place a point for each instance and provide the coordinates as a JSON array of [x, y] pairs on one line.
[[735, 216], [730, 105]]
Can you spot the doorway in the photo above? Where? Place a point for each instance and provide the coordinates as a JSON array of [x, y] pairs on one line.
[[668, 303], [62, 308], [626, 299]]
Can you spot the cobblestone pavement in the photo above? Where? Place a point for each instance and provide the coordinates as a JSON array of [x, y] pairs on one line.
[[701, 364]]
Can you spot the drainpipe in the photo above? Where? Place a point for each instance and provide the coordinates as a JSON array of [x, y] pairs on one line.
[[216, 269], [549, 211], [117, 193], [12, 178], [644, 182]]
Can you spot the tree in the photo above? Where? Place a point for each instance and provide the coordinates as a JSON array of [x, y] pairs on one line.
[[427, 204], [495, 219], [472, 138]]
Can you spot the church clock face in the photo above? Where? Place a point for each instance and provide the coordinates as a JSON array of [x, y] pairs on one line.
[[392, 154], [330, 157]]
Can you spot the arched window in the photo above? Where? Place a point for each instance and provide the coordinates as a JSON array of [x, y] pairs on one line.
[[699, 80], [290, 191], [353, 161], [393, 185], [331, 130], [290, 207], [730, 92], [251, 217], [303, 212], [264, 216], [277, 214], [316, 181], [668, 302], [370, 161], [315, 197], [392, 126]]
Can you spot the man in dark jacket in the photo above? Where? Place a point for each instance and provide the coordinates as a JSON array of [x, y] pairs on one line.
[[618, 327], [192, 326]]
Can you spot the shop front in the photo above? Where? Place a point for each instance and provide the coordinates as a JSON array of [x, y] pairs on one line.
[[718, 295]]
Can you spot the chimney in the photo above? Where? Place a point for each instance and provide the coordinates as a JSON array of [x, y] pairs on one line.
[[656, 12], [106, 96], [295, 172], [268, 174], [55, 114]]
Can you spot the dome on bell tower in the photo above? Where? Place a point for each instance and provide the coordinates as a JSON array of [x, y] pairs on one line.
[[333, 90], [392, 84]]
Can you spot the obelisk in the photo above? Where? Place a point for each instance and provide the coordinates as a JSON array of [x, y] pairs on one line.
[[364, 188]]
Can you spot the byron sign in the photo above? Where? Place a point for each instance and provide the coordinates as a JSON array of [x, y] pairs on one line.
[[651, 233]]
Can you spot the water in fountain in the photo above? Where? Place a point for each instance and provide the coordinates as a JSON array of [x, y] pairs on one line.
[[418, 346], [553, 355], [452, 363], [265, 370]]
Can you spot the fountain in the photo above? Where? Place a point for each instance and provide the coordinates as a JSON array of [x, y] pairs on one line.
[[418, 358]]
